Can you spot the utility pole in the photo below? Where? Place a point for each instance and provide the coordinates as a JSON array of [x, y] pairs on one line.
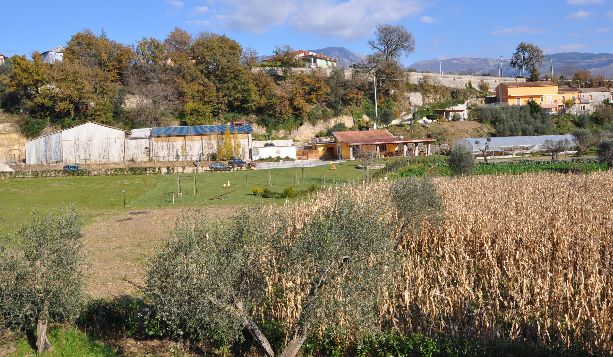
[[440, 67], [552, 69], [500, 68], [523, 62], [376, 105]]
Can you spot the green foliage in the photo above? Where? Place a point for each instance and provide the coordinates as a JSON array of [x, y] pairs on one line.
[[529, 57], [584, 139], [41, 276], [461, 161], [416, 199], [516, 120], [33, 127]]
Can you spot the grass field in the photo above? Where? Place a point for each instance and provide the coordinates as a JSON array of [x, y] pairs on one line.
[[99, 196]]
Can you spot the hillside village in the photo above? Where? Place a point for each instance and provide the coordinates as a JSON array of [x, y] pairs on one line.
[[429, 100]]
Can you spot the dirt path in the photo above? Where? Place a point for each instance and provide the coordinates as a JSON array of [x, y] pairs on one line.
[[119, 246]]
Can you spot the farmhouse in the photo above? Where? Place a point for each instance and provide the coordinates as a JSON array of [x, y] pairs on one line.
[[2, 59], [89, 143], [353, 144], [310, 59], [54, 55]]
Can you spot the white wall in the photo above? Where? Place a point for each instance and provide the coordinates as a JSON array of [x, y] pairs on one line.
[[273, 152]]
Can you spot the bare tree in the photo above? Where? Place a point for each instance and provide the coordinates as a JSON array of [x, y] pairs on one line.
[[391, 42], [249, 57]]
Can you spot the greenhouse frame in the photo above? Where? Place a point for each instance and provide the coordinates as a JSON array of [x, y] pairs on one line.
[[512, 145]]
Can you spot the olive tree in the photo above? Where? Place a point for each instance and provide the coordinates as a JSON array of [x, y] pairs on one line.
[[555, 147], [605, 152], [528, 56], [41, 274], [584, 139], [324, 267], [461, 160]]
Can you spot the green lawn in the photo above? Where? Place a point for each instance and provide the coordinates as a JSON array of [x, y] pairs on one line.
[[96, 196]]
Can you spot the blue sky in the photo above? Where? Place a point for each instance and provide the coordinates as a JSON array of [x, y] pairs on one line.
[[442, 28]]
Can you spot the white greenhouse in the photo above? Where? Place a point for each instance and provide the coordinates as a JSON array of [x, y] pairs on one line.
[[513, 145]]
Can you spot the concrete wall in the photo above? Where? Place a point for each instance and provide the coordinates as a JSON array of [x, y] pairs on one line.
[[273, 152], [460, 81]]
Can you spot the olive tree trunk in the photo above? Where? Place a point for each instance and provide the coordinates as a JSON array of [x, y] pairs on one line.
[[42, 341]]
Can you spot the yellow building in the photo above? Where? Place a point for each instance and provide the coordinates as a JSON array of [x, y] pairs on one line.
[[545, 94]]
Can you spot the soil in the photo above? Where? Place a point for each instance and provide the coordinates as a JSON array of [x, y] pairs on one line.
[[118, 248]]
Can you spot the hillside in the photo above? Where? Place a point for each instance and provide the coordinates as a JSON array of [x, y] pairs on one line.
[[565, 62]]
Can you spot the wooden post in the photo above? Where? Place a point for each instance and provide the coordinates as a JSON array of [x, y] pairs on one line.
[[173, 198], [302, 171], [269, 178], [195, 190], [178, 185]]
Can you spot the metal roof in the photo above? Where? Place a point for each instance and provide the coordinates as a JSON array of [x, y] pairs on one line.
[[373, 137], [196, 130]]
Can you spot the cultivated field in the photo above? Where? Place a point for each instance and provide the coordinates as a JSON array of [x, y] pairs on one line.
[[524, 258]]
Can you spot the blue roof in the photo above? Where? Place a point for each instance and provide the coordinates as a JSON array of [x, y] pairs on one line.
[[200, 130]]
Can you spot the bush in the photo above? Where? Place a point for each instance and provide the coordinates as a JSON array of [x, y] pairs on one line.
[[256, 190], [290, 192], [461, 160], [605, 152], [267, 193]]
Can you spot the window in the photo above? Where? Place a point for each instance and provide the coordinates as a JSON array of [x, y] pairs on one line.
[[518, 101]]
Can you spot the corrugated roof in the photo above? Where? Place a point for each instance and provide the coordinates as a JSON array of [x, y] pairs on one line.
[[200, 130], [528, 84], [373, 137]]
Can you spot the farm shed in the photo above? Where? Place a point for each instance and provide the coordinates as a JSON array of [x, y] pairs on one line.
[[138, 145], [511, 145], [273, 149], [351, 144], [89, 143], [199, 142]]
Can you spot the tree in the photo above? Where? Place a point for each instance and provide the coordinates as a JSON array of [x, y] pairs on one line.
[[333, 263], [461, 161], [285, 57], [605, 152], [555, 147], [584, 139], [582, 78], [249, 58], [41, 278], [484, 87], [391, 42], [528, 57]]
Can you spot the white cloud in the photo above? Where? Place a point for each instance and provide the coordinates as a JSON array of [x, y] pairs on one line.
[[200, 10], [517, 30], [349, 19], [427, 19], [610, 14], [579, 15], [583, 2], [603, 30], [177, 4]]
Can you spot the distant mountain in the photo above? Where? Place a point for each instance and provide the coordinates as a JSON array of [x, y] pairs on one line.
[[564, 63], [344, 56]]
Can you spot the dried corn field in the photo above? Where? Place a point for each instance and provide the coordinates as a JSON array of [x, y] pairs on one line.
[[527, 258]]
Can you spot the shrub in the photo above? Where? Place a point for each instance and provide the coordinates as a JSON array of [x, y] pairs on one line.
[[290, 192], [584, 139], [257, 190], [461, 160], [40, 280], [267, 193], [605, 152]]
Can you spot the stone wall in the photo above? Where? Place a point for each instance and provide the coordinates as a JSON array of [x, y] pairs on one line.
[[12, 143], [460, 81]]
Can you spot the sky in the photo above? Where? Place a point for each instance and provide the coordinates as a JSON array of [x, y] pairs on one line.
[[442, 28]]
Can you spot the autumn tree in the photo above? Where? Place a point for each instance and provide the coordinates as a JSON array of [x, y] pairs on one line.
[[218, 58], [41, 275], [555, 147], [528, 56], [285, 57]]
